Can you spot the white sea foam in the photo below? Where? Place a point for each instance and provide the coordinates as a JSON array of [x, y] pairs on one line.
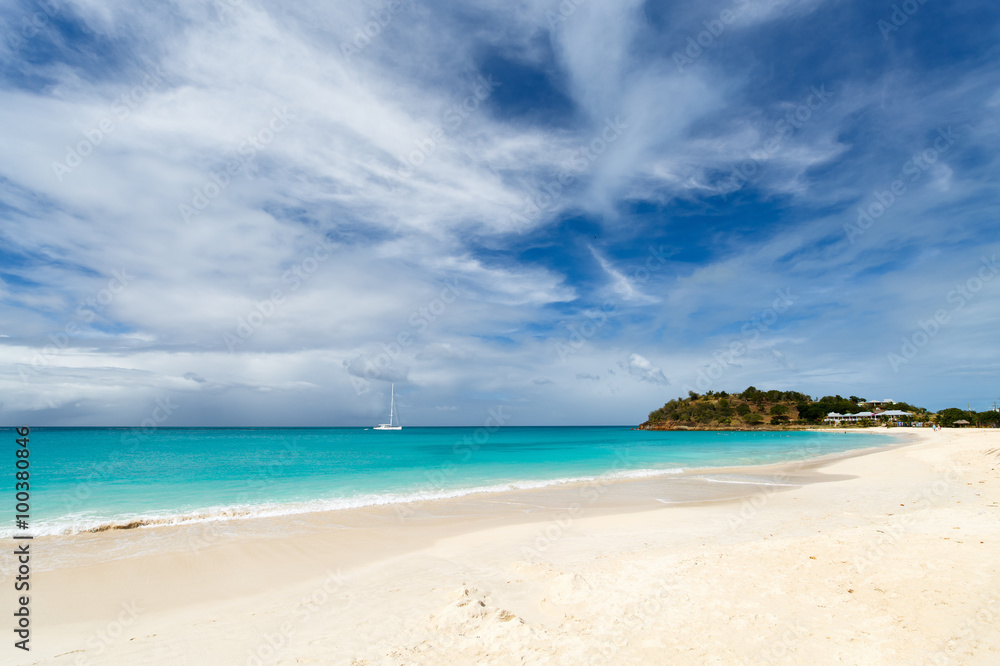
[[746, 481], [85, 523]]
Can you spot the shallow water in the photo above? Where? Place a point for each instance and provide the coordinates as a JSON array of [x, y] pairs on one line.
[[90, 479]]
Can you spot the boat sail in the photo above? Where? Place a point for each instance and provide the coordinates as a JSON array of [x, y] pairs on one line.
[[391, 425]]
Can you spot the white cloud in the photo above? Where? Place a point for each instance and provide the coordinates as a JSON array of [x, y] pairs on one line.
[[396, 239], [641, 367]]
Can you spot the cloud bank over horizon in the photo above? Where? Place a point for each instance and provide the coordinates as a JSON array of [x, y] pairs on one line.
[[264, 214]]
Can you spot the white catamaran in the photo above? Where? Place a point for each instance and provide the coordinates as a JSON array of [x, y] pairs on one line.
[[392, 412]]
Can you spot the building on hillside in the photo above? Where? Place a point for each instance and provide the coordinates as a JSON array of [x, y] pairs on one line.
[[875, 404], [835, 418], [890, 415]]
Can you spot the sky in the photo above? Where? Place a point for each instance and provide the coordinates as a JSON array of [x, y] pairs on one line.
[[541, 213]]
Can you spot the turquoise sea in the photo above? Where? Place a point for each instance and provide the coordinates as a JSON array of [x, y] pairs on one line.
[[87, 478]]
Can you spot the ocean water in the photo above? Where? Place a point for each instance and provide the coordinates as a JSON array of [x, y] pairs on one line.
[[86, 479]]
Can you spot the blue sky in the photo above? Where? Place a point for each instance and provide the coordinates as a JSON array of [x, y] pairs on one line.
[[264, 213]]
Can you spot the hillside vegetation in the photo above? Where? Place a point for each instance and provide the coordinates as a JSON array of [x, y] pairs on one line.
[[754, 408]]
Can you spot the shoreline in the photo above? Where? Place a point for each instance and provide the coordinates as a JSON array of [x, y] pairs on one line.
[[525, 554], [617, 473], [601, 495]]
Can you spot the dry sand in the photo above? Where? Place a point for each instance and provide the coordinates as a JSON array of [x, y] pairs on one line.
[[892, 557]]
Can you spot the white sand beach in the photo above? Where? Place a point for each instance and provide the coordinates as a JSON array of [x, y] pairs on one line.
[[890, 557]]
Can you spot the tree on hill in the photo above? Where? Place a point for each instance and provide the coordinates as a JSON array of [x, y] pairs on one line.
[[753, 406], [988, 419], [835, 403], [812, 413], [779, 413], [946, 417]]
